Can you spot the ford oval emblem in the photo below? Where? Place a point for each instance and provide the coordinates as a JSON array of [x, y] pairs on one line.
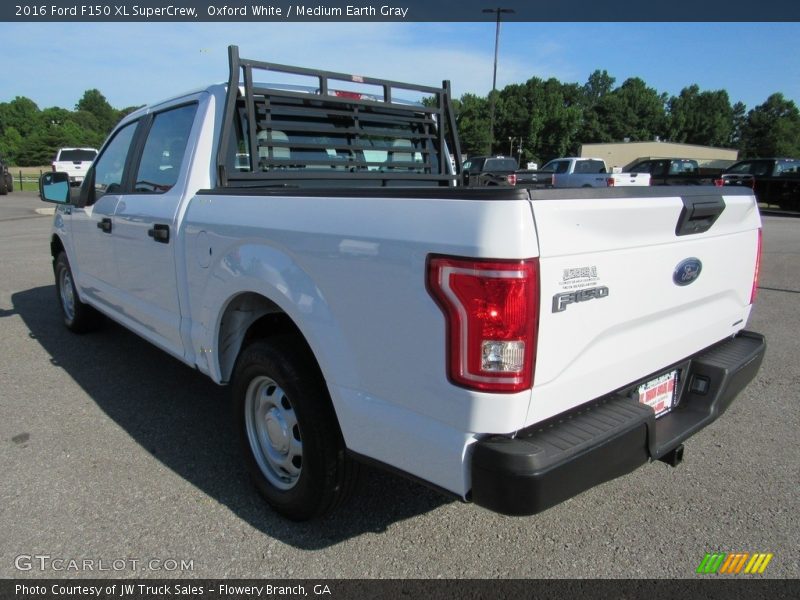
[[687, 271]]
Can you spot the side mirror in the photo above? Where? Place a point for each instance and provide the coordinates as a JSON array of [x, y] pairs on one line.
[[54, 187]]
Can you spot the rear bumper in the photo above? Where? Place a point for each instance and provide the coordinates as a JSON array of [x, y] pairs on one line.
[[555, 460]]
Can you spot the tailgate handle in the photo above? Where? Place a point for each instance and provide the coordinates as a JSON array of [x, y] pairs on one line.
[[698, 214]]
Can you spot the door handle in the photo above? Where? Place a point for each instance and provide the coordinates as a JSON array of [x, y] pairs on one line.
[[159, 233], [105, 225]]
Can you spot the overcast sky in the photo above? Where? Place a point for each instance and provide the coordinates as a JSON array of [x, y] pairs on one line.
[[140, 63]]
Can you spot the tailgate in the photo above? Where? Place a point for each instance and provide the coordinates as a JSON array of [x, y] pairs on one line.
[[70, 167], [635, 280], [628, 179]]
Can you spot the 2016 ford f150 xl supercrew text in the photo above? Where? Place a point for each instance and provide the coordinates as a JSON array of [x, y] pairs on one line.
[[312, 246]]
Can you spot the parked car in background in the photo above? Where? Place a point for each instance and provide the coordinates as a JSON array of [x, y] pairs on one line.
[[479, 171], [75, 162], [574, 172], [6, 179], [676, 171], [774, 180]]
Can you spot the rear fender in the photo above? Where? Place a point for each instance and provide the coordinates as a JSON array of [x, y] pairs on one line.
[[265, 272]]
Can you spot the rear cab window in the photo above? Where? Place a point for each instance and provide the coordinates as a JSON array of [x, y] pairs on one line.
[[77, 155], [501, 164], [309, 137], [557, 166]]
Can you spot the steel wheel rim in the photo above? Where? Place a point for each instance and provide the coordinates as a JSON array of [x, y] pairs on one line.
[[273, 433], [67, 294]]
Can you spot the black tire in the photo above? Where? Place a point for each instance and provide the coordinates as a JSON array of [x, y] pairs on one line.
[[3, 187], [290, 437], [78, 317], [10, 185]]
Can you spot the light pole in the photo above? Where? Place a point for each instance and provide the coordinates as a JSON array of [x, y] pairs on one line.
[[498, 11]]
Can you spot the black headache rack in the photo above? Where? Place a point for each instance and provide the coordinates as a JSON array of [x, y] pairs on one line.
[[288, 136]]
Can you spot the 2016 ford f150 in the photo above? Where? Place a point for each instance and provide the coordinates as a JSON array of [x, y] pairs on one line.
[[312, 247]]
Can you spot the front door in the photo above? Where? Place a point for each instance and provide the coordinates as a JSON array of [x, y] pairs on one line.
[[93, 229]]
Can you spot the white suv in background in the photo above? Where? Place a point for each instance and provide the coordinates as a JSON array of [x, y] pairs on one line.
[[75, 162]]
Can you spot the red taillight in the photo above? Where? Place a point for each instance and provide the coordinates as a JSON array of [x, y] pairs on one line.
[[492, 315], [719, 182], [610, 182], [512, 179], [757, 271]]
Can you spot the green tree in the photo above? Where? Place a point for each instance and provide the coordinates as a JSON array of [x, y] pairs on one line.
[[30, 136], [633, 111], [21, 114], [772, 129], [10, 144], [704, 118], [514, 106], [558, 116], [472, 119], [39, 147], [739, 120], [597, 86], [540, 117], [95, 103]]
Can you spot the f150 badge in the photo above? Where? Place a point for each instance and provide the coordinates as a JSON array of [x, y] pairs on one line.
[[561, 301], [687, 271]]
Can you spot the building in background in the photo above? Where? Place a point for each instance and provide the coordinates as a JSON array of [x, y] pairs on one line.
[[622, 154]]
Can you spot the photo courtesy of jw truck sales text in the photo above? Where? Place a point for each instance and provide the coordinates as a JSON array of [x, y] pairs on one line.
[[316, 248]]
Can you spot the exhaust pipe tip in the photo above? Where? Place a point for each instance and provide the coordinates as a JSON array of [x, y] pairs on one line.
[[674, 457]]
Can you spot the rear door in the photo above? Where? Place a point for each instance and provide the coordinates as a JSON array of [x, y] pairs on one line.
[[145, 224], [634, 280]]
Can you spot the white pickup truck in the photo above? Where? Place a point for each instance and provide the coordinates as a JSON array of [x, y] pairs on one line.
[[75, 162], [311, 246], [590, 172]]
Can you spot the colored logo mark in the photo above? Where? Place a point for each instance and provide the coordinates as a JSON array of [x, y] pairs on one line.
[[734, 563]]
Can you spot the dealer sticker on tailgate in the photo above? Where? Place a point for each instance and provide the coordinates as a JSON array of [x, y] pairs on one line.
[[659, 393]]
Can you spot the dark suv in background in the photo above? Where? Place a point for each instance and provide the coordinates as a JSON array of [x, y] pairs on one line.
[[6, 179]]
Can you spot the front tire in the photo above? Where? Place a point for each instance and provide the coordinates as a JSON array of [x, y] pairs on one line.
[[291, 439], [78, 317]]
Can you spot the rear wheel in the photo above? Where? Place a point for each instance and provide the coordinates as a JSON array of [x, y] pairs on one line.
[[3, 186], [78, 317], [293, 447]]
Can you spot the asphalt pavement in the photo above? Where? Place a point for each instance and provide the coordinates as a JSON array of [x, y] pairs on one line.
[[113, 452]]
